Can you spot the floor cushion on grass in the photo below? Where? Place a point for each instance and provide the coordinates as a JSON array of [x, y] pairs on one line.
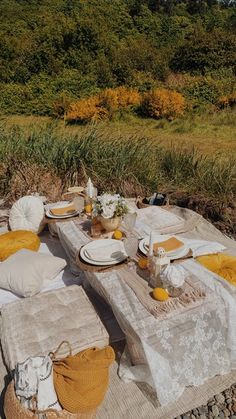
[[27, 214], [13, 241], [221, 264]]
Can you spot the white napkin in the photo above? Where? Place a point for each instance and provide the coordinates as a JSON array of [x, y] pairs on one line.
[[175, 275], [203, 247], [156, 218], [106, 252], [35, 377]]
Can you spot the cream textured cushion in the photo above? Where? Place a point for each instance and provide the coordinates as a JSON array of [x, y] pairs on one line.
[[27, 214], [25, 272], [37, 325]]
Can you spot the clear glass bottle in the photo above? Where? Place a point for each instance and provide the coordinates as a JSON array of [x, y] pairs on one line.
[[157, 265]]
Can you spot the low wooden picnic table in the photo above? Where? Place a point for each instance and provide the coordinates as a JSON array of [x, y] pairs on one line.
[[184, 347]]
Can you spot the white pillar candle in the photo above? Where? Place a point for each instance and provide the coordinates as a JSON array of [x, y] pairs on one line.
[[90, 188]]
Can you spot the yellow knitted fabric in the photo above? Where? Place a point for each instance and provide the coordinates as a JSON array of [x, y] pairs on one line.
[[15, 240], [223, 265], [81, 381]]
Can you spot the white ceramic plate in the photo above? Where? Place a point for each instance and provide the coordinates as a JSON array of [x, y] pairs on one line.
[[73, 214], [109, 260], [174, 254]]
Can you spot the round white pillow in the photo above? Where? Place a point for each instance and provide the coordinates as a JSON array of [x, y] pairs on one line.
[[27, 214]]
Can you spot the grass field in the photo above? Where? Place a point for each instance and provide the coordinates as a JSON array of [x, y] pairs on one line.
[[128, 156], [193, 160], [209, 133]]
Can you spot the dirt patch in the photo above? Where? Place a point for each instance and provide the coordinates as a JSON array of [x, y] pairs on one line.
[[221, 214], [27, 180]]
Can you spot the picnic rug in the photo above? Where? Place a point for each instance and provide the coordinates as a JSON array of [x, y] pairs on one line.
[[137, 400]]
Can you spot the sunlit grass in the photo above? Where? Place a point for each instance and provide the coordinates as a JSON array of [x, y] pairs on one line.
[[209, 133], [117, 162]]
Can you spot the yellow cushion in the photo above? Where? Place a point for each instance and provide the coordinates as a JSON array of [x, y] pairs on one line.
[[223, 265], [15, 240]]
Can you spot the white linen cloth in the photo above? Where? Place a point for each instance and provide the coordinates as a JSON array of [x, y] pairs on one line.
[[203, 247], [221, 287], [180, 350], [110, 249], [156, 218], [34, 377]]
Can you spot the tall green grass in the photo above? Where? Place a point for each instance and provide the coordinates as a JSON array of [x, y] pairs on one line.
[[127, 166]]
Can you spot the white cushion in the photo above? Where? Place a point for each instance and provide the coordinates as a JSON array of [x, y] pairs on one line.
[[25, 272], [27, 214]]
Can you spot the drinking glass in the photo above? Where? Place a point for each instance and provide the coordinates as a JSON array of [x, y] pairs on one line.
[[129, 221], [78, 202], [131, 247]]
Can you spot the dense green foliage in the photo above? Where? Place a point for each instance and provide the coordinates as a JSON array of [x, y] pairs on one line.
[[56, 51]]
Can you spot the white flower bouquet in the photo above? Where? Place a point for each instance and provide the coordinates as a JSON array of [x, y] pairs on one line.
[[110, 206]]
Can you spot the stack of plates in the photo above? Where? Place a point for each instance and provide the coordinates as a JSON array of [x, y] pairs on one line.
[[104, 252], [158, 238], [61, 205]]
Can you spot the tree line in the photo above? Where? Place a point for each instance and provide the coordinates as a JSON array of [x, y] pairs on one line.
[[54, 50]]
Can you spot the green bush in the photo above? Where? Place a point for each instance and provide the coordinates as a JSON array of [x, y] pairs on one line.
[[202, 90], [14, 98]]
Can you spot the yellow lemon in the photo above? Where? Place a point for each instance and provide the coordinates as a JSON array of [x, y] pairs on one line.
[[88, 208], [117, 235], [143, 263], [160, 294]]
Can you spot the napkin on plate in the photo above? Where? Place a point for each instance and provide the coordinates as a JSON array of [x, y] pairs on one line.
[[168, 245], [106, 252], [66, 210]]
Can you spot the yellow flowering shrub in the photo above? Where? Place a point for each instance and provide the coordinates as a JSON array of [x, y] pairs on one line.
[[86, 110], [103, 105], [109, 100], [163, 103], [127, 97], [225, 101], [120, 97]]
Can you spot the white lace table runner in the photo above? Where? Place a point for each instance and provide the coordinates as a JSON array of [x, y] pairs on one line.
[[177, 351]]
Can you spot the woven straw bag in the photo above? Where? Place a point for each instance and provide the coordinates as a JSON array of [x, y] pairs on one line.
[[14, 410]]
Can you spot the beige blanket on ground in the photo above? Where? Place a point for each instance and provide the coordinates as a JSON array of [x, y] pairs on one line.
[[37, 325]]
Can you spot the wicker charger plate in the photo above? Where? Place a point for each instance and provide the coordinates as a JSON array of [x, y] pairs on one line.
[[84, 266], [48, 220]]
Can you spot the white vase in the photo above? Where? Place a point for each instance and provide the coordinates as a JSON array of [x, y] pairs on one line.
[[110, 224]]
